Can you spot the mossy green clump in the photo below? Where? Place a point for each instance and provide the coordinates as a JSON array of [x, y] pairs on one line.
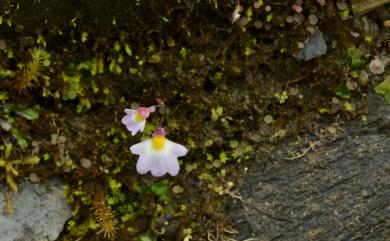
[[342, 91], [384, 89], [355, 55], [27, 113], [11, 166]]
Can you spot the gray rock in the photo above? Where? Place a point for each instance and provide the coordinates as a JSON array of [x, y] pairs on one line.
[[340, 191], [39, 213], [314, 47]]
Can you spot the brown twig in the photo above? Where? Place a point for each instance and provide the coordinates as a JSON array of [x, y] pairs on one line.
[[365, 6]]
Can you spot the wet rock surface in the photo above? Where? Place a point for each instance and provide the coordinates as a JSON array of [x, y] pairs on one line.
[[39, 213], [340, 191]]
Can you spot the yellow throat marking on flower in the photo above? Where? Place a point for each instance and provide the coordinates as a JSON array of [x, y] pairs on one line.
[[138, 118], [158, 142]]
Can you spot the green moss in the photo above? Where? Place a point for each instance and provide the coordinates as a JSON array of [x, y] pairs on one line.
[[356, 57], [384, 89]]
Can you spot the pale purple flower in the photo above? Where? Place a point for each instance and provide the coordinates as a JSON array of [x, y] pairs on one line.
[[158, 155], [134, 120]]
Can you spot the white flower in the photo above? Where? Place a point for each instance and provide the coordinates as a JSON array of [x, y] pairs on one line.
[[134, 120], [158, 155]]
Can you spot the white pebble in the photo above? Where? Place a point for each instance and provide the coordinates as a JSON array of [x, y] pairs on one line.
[[289, 19], [244, 21], [34, 177], [268, 119], [322, 2], [298, 18], [313, 20], [376, 66], [86, 163], [351, 85], [256, 4], [341, 5], [311, 29], [258, 24]]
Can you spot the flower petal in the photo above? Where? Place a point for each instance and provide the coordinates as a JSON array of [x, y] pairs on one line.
[[130, 111], [134, 127], [158, 168], [144, 164], [142, 148], [177, 149], [159, 162], [127, 119], [172, 165], [142, 125], [131, 122]]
